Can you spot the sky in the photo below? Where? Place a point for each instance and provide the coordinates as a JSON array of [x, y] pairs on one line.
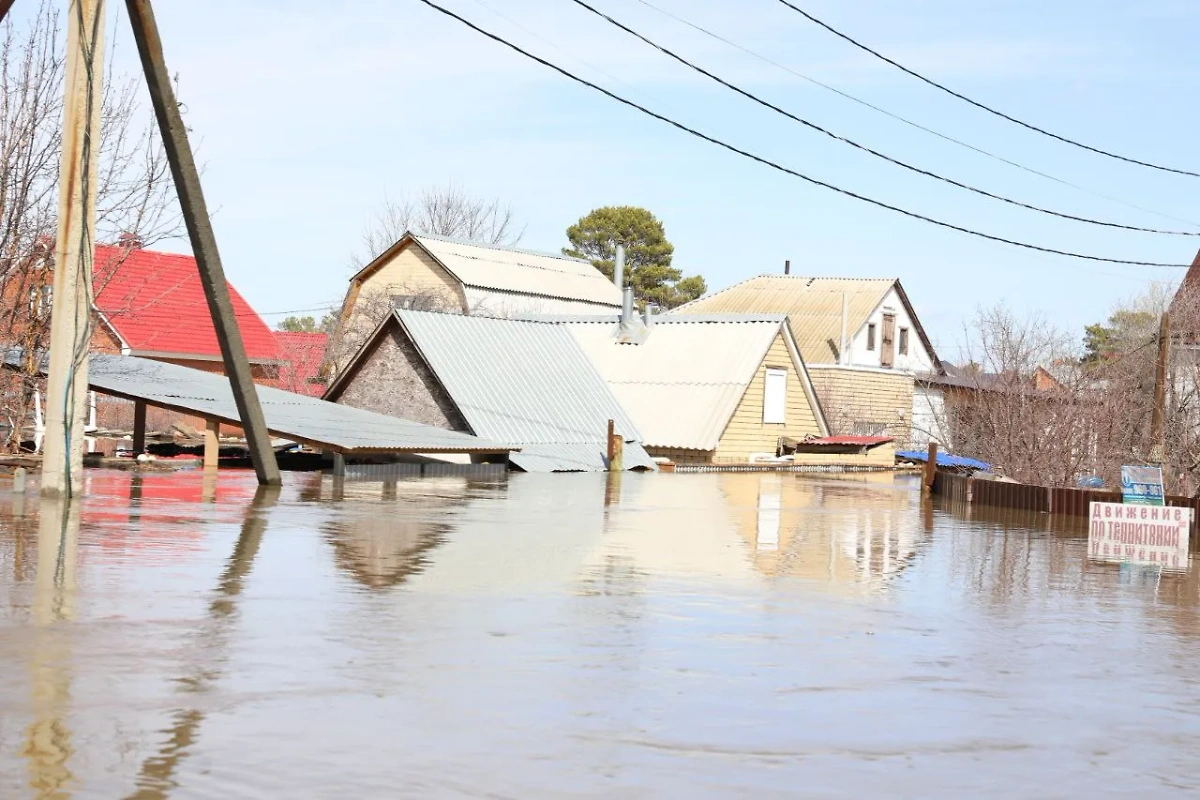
[[308, 116]]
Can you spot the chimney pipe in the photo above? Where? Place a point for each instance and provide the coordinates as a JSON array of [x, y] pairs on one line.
[[627, 305], [619, 268], [648, 316], [787, 267]]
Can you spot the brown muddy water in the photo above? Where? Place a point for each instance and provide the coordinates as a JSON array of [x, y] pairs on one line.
[[719, 635]]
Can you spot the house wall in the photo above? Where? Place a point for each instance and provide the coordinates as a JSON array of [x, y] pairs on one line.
[[393, 380], [866, 402], [919, 359], [929, 421], [746, 433], [412, 271]]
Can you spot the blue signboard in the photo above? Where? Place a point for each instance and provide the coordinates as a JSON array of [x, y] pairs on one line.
[[1142, 486]]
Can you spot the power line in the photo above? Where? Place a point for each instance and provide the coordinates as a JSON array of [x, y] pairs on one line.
[[903, 164], [982, 106], [786, 170], [918, 126]]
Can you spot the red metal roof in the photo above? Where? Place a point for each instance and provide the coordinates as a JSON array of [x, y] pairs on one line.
[[156, 304], [301, 354]]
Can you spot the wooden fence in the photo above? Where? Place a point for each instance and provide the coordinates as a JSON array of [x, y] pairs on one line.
[[1041, 499]]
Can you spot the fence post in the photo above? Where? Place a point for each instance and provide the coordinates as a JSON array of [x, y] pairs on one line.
[[931, 467]]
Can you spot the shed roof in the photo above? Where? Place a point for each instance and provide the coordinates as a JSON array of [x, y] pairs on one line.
[[510, 269], [294, 416], [813, 305], [156, 305], [684, 380], [526, 382]]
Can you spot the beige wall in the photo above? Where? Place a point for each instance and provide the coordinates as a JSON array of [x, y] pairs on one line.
[[854, 398], [746, 433], [412, 271]]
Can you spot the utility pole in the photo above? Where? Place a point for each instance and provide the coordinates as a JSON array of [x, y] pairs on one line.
[[204, 242], [1158, 415], [70, 330]]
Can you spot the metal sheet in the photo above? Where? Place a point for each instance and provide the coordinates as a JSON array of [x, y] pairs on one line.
[[813, 306], [524, 382], [289, 415], [577, 457], [522, 271]]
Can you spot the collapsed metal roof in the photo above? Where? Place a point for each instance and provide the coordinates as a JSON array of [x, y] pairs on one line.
[[304, 419], [528, 383]]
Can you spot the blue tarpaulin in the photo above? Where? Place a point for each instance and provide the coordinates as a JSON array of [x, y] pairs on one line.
[[944, 460]]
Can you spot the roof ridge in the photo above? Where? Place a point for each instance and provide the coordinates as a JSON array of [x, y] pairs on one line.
[[504, 248]]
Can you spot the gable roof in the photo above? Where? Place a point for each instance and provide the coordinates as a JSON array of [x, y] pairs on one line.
[[814, 307], [509, 269], [527, 382], [155, 304], [1189, 287], [684, 380]]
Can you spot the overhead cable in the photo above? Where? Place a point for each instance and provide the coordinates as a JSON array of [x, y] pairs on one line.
[[903, 164], [787, 170], [905, 120], [983, 106]]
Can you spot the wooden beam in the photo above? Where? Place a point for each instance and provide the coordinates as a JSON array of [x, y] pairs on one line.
[[930, 468], [139, 427], [212, 444], [66, 386], [204, 241]]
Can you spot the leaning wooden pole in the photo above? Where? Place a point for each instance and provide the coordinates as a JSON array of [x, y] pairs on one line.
[[5, 5], [70, 321], [204, 242], [1158, 414]]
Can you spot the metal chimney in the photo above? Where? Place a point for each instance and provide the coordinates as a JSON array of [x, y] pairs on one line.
[[787, 267], [648, 316], [627, 305], [619, 269]]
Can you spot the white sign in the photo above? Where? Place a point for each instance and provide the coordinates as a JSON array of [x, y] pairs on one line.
[[1136, 534]]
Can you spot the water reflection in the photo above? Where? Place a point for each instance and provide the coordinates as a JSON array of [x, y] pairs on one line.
[[529, 637], [49, 743], [854, 532], [156, 778]]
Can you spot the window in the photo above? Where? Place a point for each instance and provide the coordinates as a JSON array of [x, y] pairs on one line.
[[47, 299], [775, 397], [871, 336], [904, 341]]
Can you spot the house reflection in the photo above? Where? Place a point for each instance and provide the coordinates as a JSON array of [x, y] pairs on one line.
[[381, 544], [849, 531]]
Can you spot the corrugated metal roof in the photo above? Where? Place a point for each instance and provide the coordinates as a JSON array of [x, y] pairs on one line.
[[813, 306], [522, 271], [684, 381], [289, 415], [524, 382]]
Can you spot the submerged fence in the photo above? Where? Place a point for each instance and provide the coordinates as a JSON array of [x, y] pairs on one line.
[[1041, 499]]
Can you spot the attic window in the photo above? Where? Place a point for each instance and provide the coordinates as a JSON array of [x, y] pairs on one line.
[[903, 341], [871, 336]]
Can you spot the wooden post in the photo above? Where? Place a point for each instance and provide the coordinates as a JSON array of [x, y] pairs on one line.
[[204, 242], [609, 452], [212, 444], [930, 468], [1158, 414], [70, 328], [339, 465], [139, 427]]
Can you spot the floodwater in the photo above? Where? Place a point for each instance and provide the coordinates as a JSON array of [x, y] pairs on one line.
[[715, 635]]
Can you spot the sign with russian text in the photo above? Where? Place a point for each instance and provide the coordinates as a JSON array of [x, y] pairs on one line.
[[1133, 534], [1142, 485]]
